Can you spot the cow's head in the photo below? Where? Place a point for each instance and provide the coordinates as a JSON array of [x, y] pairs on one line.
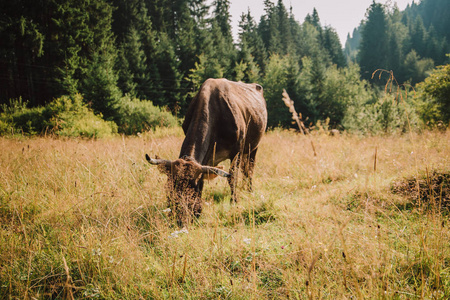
[[185, 185]]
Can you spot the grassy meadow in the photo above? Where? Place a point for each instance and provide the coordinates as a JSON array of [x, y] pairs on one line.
[[331, 217]]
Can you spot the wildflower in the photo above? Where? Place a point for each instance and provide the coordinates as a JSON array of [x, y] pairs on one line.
[[178, 232]]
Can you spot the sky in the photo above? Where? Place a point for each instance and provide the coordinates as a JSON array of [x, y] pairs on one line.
[[342, 15]]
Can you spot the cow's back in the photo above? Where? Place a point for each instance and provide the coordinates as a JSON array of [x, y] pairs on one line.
[[224, 117]]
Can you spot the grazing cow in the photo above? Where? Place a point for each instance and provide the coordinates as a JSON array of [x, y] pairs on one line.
[[225, 120]]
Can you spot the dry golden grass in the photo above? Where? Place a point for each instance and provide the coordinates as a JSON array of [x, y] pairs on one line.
[[85, 219]]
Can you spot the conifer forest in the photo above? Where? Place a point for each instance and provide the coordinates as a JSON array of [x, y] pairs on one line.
[[116, 59]]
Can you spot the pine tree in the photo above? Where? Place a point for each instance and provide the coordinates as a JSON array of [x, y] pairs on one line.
[[187, 49], [250, 39], [268, 28], [100, 85], [205, 68], [222, 39], [373, 51], [352, 44], [274, 82], [53, 43], [394, 60], [309, 43], [314, 20], [135, 67], [246, 68], [223, 18], [332, 44], [170, 76], [26, 61], [418, 35], [125, 80], [284, 28]]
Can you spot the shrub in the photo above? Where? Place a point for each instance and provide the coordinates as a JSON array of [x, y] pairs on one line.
[[386, 115], [433, 97], [136, 116], [71, 117], [63, 116], [18, 118]]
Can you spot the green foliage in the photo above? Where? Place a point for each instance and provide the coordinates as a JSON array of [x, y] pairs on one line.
[[416, 69], [339, 88], [63, 116], [168, 67], [70, 117], [434, 97], [322, 92], [17, 118], [163, 51], [205, 68], [137, 116], [352, 44], [274, 82], [388, 114], [331, 43], [374, 51], [251, 45], [407, 42], [100, 84]]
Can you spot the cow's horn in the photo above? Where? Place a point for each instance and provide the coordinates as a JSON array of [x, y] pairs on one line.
[[217, 171], [157, 161]]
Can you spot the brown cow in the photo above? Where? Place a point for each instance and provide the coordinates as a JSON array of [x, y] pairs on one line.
[[225, 120]]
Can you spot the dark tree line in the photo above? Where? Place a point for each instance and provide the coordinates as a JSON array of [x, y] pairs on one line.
[[150, 49], [163, 50]]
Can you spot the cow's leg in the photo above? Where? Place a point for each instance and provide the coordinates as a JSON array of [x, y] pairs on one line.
[[248, 163], [232, 180]]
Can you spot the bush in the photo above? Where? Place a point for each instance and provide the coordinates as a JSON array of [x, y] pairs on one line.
[[71, 117], [386, 115], [135, 116], [63, 116], [16, 118], [433, 97]]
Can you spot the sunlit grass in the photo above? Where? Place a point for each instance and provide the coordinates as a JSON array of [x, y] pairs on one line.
[[322, 227]]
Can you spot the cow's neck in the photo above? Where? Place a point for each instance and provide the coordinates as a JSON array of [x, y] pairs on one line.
[[197, 142]]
